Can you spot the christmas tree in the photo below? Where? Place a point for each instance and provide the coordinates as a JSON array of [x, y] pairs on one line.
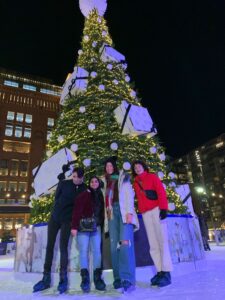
[[89, 123]]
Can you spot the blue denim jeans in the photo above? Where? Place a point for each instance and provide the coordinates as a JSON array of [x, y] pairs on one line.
[[123, 255], [84, 239]]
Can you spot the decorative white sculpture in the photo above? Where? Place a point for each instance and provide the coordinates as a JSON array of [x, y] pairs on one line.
[[86, 6], [109, 54]]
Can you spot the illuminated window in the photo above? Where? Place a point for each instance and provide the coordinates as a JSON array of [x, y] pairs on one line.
[[22, 201], [24, 168], [19, 222], [18, 131], [22, 187], [28, 119], [9, 130], [14, 170], [19, 117], [8, 224], [12, 187], [49, 133], [27, 132], [219, 145], [50, 92], [4, 167], [51, 122], [2, 186], [19, 147], [29, 87], [11, 83], [10, 115]]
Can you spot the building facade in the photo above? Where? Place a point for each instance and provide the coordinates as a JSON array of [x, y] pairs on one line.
[[204, 169], [29, 107]]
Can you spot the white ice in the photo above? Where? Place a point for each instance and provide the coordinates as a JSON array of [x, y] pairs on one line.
[[203, 280]]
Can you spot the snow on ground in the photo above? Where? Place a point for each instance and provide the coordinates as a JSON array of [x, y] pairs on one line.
[[203, 280]]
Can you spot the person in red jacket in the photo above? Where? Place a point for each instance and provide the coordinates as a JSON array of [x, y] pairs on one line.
[[88, 204], [153, 205]]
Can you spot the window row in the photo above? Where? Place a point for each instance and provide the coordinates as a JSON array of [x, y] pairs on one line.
[[19, 117], [13, 167], [17, 131], [31, 88], [18, 147], [10, 223], [12, 186]]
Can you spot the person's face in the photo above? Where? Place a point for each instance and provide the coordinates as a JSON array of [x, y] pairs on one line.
[[138, 169], [76, 179], [109, 168], [94, 184]]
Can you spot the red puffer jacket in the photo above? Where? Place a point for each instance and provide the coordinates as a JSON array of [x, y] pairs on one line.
[[149, 181]]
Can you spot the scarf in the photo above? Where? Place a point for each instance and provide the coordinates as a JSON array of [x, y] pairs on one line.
[[112, 181]]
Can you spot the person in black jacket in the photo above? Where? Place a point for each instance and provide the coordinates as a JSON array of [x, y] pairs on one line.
[[67, 191], [89, 204]]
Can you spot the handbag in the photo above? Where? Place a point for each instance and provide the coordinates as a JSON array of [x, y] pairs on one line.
[[88, 225], [150, 194]]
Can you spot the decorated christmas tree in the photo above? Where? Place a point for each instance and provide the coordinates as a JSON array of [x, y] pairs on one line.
[[102, 116]]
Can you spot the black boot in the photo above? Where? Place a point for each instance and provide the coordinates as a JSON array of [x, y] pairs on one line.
[[164, 279], [85, 283], [43, 284], [63, 282], [99, 283], [154, 280]]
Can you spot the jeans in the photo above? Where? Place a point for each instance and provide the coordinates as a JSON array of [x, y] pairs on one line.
[[53, 228], [94, 239], [123, 255]]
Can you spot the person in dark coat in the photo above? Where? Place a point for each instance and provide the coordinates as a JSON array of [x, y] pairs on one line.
[[89, 204], [60, 219]]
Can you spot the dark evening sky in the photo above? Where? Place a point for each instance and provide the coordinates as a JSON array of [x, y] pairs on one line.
[[175, 52]]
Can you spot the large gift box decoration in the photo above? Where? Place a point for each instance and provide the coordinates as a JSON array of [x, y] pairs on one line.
[[134, 120], [46, 174], [109, 54], [75, 84]]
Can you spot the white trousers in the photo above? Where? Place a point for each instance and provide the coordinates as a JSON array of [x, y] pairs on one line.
[[158, 240]]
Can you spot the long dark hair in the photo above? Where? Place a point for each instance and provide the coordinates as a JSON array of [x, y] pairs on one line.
[[111, 160], [138, 162]]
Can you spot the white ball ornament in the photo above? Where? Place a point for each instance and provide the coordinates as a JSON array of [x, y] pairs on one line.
[[60, 139], [126, 166], [171, 206], [74, 147], [127, 78], [86, 38], [114, 146], [93, 74], [133, 94], [82, 109], [153, 150], [91, 126], [48, 153], [99, 20], [80, 52], [115, 81], [101, 87], [94, 44], [109, 66], [87, 162], [30, 204], [104, 33], [172, 175], [162, 156], [160, 174], [172, 184]]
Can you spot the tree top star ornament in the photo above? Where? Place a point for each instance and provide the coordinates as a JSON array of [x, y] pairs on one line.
[[86, 6]]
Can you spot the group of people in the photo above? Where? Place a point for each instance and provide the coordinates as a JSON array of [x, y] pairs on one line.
[[110, 202]]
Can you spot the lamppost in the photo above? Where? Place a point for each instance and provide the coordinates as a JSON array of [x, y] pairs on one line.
[[201, 191]]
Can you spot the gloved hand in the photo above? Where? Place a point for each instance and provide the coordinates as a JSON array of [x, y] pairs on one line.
[[163, 214]]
